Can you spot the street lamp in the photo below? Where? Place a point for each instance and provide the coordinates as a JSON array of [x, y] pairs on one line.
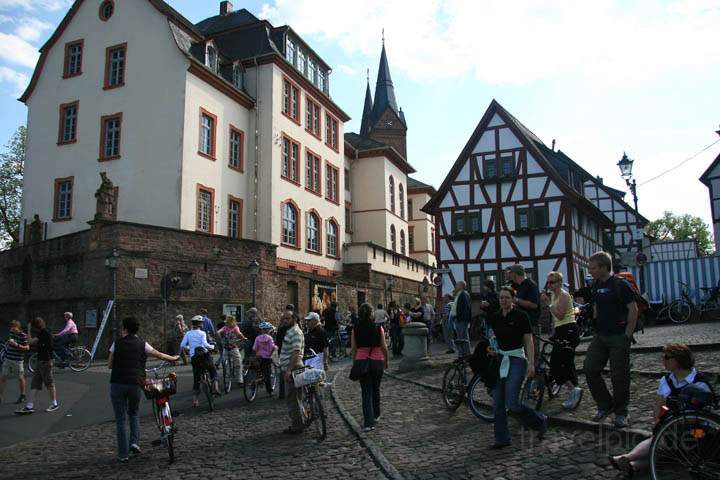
[[254, 269], [626, 165], [111, 262]]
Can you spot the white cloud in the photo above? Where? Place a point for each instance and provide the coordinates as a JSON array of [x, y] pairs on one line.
[[19, 81], [347, 70], [517, 42], [31, 29], [15, 50], [30, 5]]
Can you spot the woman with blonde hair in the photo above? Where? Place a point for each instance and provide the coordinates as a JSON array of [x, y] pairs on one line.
[[565, 330], [231, 337]]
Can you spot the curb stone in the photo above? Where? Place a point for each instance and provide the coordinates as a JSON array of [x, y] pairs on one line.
[[375, 452], [585, 425]]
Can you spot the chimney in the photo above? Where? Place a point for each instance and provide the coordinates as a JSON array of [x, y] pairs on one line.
[[226, 8], [599, 179], [553, 145]]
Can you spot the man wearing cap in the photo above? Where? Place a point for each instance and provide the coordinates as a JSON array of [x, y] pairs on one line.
[[316, 340], [527, 296], [291, 358]]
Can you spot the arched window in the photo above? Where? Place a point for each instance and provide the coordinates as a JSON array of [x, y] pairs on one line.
[[289, 224], [402, 201], [402, 241], [313, 232], [212, 58], [332, 238], [393, 240], [237, 76], [392, 194]]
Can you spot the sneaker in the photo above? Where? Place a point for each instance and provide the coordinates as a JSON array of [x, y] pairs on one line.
[[368, 429], [573, 399], [25, 410], [621, 421], [134, 448], [599, 415], [123, 460], [52, 407], [377, 418], [21, 399]]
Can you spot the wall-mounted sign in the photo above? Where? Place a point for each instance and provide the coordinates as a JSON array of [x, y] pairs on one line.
[[91, 318], [141, 273]]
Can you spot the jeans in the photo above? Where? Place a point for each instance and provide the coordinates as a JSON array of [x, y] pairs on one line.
[[293, 400], [126, 403], [449, 332], [506, 396], [266, 368], [616, 348], [462, 338], [370, 386], [562, 360]]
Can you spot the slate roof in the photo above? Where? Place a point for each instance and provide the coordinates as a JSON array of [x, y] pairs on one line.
[[367, 117], [360, 143], [384, 89], [414, 184], [239, 18]]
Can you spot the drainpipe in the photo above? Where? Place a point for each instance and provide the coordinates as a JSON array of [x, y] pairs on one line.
[[256, 167]]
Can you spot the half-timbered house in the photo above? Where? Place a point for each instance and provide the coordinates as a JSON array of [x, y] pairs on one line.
[[711, 179], [505, 201]]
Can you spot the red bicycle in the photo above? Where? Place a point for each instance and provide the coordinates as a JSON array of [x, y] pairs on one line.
[[159, 389]]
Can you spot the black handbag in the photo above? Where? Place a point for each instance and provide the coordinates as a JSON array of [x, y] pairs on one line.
[[360, 368]]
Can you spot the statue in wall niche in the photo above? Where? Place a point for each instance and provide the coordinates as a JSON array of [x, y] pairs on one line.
[[36, 230], [106, 201]]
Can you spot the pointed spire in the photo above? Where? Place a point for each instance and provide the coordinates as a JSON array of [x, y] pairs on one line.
[[384, 90], [402, 116], [367, 122]]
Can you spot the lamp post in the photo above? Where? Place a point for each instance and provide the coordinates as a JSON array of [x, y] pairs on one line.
[[626, 164], [254, 269], [111, 262]]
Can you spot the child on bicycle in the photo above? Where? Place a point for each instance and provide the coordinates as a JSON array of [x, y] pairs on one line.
[[231, 339], [264, 347], [195, 342]]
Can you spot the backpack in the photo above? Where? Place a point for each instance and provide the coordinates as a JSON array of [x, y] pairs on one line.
[[642, 304], [699, 378]]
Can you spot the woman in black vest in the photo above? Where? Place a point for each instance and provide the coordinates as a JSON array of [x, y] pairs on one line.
[[368, 341], [127, 362]]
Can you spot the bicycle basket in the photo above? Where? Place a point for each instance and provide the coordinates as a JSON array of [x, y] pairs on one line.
[[308, 376], [160, 387]]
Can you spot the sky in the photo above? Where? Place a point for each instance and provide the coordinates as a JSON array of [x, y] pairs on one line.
[[601, 78]]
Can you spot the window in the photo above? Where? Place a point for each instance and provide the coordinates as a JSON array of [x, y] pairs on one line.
[[311, 70], [411, 238], [211, 58], [291, 98], [208, 128], [236, 150], [347, 179], [402, 242], [331, 238], [313, 233], [205, 209], [410, 209], [402, 201], [290, 160], [290, 51], [115, 59], [531, 218], [312, 117], [331, 183], [331, 132], [312, 173], [110, 130], [237, 76], [505, 167], [321, 80], [392, 194], [301, 61], [289, 224], [73, 59], [348, 217], [106, 10], [62, 208], [466, 223], [393, 241], [235, 206], [67, 131]]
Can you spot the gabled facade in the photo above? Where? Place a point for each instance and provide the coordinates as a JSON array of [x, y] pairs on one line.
[[503, 202], [711, 179]]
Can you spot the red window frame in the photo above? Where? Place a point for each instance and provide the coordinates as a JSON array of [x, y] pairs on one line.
[[66, 64], [213, 140], [329, 170], [315, 170], [241, 160], [239, 201], [103, 131], [319, 250], [313, 117], [337, 238], [61, 127], [211, 191], [292, 88], [298, 224], [108, 50], [291, 142], [56, 194], [331, 138]]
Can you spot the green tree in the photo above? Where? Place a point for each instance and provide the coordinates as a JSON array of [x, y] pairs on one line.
[[12, 166], [682, 227]]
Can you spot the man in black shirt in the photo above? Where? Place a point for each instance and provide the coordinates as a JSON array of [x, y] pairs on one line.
[[316, 339], [615, 318], [527, 297], [331, 324], [43, 374]]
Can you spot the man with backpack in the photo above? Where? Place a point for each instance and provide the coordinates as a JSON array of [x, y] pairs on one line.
[[615, 313]]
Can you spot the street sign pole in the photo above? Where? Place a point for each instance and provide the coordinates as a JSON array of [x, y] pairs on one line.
[[106, 315]]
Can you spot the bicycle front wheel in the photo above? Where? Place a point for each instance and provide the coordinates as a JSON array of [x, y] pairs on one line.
[[480, 399], [453, 387], [79, 359], [228, 376], [32, 362], [250, 385], [680, 311], [687, 446], [317, 412]]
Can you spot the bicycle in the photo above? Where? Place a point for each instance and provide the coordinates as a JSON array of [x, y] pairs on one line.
[[313, 411], [255, 376], [455, 385], [158, 390], [78, 358], [533, 391], [684, 308], [230, 372], [336, 345], [686, 441]]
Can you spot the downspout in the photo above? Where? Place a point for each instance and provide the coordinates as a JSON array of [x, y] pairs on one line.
[[256, 167]]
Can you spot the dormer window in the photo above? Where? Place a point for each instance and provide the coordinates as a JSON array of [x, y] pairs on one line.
[[237, 76], [290, 51], [211, 58], [321, 80], [301, 61], [311, 70]]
